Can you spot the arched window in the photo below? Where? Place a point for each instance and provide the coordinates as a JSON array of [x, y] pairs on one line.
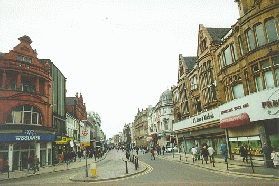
[[271, 30], [25, 114]]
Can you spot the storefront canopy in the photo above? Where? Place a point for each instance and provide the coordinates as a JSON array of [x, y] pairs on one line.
[[234, 121]]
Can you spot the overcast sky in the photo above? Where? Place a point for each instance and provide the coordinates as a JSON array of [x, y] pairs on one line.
[[120, 54]]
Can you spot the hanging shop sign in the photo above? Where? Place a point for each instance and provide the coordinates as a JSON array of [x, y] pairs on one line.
[[85, 136]]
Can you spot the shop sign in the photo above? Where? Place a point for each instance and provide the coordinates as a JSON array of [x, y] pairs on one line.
[[235, 108], [203, 117], [17, 137]]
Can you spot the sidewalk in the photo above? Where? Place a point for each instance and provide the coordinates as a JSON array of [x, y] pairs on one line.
[[110, 166], [235, 166]]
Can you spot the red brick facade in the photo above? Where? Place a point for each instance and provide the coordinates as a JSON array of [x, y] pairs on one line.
[[25, 81], [76, 107]]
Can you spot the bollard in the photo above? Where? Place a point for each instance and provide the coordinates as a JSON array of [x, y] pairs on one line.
[[94, 169], [252, 164], [180, 157], [202, 160], [213, 163], [126, 167], [136, 167]]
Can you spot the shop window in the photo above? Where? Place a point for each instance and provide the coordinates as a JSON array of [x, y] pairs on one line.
[[259, 33], [271, 30], [238, 91], [250, 40], [26, 114], [240, 45]]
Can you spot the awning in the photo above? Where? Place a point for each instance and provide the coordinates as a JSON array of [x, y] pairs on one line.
[[234, 121]]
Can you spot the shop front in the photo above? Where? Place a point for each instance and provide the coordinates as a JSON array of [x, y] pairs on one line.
[[18, 147], [252, 120], [199, 130]]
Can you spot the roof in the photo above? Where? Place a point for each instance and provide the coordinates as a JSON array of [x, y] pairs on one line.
[[217, 33], [190, 62], [70, 101]]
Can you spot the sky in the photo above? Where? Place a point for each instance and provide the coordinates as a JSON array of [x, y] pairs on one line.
[[121, 55]]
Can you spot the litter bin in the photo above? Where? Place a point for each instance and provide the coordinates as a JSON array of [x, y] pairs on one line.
[[94, 168]]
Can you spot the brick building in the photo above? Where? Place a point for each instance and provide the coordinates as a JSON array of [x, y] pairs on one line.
[[25, 107], [231, 94]]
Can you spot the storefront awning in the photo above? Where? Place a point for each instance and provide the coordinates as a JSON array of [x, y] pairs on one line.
[[234, 121]]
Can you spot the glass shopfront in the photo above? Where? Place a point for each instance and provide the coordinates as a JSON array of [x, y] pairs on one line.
[[253, 143]]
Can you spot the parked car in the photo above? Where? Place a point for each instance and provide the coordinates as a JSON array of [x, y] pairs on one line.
[[169, 149]]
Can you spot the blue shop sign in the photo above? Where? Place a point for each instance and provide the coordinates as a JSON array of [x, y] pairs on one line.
[[26, 137]]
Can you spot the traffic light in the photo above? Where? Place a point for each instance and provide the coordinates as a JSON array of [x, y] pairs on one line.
[[171, 138]]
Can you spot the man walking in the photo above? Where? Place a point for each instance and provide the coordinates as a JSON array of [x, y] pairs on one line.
[[152, 153]]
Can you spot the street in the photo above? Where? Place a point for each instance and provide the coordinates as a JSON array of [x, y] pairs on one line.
[[159, 172]]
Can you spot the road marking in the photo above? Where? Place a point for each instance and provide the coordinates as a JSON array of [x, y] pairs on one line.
[[226, 173]]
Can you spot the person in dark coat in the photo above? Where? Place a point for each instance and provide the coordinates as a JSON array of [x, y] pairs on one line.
[[267, 155], [205, 154], [244, 152], [79, 155]]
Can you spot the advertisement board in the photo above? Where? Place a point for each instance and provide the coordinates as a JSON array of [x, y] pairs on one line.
[[84, 136]]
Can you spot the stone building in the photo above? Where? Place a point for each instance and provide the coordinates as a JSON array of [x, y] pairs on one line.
[[231, 93], [140, 126], [25, 107]]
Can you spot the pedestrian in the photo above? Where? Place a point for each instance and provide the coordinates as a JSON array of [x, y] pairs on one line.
[[152, 153], [211, 152], [6, 165], [30, 162], [36, 164], [244, 152], [205, 154], [194, 153], [275, 158], [224, 151], [84, 154], [79, 155], [198, 151], [163, 149], [137, 150], [160, 150], [267, 155]]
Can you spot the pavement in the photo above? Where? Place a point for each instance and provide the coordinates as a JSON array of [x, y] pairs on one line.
[[113, 166], [235, 166]]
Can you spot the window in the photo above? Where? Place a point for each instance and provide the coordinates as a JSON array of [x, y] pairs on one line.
[[268, 78], [250, 40], [240, 45], [220, 61], [265, 64], [259, 33], [24, 114], [271, 30], [20, 58], [228, 57], [28, 60], [238, 91], [259, 84], [234, 56], [275, 60]]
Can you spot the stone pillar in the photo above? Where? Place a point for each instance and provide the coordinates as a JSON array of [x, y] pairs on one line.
[[37, 150], [4, 79], [18, 81], [264, 138], [37, 85], [10, 156]]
